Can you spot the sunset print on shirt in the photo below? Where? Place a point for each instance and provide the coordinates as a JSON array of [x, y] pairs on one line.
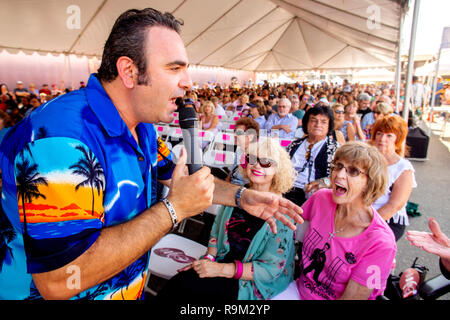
[[65, 189]]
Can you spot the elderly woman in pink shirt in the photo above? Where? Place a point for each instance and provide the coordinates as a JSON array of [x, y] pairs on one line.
[[348, 249]]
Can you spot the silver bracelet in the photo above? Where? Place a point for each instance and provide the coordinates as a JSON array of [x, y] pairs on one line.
[[173, 214], [238, 195]]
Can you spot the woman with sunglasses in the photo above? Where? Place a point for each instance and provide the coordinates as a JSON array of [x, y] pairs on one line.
[[348, 248], [338, 112], [246, 132], [244, 260], [388, 136]]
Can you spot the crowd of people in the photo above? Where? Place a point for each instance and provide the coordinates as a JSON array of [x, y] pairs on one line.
[[321, 121], [327, 118], [343, 178], [18, 103]]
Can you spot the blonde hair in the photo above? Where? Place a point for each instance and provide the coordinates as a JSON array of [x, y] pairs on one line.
[[205, 104], [370, 161], [337, 105], [285, 175], [383, 108]]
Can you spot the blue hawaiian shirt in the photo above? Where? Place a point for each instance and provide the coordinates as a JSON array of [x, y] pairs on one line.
[[69, 170]]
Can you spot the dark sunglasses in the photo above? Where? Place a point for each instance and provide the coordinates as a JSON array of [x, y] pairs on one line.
[[263, 162], [339, 111], [239, 132], [352, 171]]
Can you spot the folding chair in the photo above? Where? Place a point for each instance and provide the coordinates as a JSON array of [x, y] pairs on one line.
[[299, 133], [223, 140], [285, 142], [206, 138], [176, 150], [176, 121], [174, 134], [218, 158], [235, 117], [170, 254], [228, 126], [162, 130]]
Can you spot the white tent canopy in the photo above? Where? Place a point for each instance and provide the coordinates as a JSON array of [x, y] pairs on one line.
[[254, 35], [282, 79], [429, 69], [373, 75]]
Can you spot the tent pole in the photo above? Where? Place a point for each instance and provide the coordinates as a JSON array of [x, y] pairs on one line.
[[398, 70], [412, 45], [64, 68], [436, 75], [70, 71], [445, 43]]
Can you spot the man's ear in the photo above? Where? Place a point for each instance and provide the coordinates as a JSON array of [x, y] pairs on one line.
[[127, 72]]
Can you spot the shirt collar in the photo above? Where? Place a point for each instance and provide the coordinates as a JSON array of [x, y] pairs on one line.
[[285, 117], [102, 106]]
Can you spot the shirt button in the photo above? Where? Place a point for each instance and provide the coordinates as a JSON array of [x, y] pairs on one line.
[[141, 158]]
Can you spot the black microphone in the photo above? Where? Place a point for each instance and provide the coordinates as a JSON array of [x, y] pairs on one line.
[[189, 126]]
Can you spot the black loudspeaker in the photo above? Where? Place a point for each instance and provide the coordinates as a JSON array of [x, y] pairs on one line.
[[417, 141]]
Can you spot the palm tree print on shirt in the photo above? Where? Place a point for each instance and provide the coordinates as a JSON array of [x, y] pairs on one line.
[[41, 134], [28, 181], [89, 168], [7, 234]]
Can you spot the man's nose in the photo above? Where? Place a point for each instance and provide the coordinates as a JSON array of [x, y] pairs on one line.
[[186, 81]]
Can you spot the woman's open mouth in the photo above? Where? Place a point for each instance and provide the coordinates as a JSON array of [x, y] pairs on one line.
[[339, 189]]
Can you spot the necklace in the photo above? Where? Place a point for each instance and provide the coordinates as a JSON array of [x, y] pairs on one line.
[[333, 234]]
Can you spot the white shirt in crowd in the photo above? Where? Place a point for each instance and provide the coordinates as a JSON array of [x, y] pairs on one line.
[[306, 171], [394, 172]]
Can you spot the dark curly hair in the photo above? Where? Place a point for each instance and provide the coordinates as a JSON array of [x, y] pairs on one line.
[[316, 110], [127, 38]]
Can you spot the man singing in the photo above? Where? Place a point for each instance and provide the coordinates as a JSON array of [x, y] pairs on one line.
[[80, 210]]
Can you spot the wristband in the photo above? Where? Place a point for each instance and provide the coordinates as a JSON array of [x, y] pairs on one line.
[[239, 269], [172, 213], [237, 197], [210, 257]]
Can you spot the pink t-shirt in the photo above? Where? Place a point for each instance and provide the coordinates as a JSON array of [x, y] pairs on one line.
[[329, 262]]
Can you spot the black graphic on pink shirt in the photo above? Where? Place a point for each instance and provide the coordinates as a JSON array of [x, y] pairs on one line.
[[314, 259]]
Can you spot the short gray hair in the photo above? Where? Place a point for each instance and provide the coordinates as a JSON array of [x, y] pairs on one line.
[[363, 97], [286, 101]]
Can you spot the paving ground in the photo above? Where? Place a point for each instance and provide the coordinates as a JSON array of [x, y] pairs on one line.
[[433, 196]]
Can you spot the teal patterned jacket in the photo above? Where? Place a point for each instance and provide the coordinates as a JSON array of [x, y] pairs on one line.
[[272, 256]]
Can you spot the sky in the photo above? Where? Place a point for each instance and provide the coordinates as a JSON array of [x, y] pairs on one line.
[[434, 15]]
